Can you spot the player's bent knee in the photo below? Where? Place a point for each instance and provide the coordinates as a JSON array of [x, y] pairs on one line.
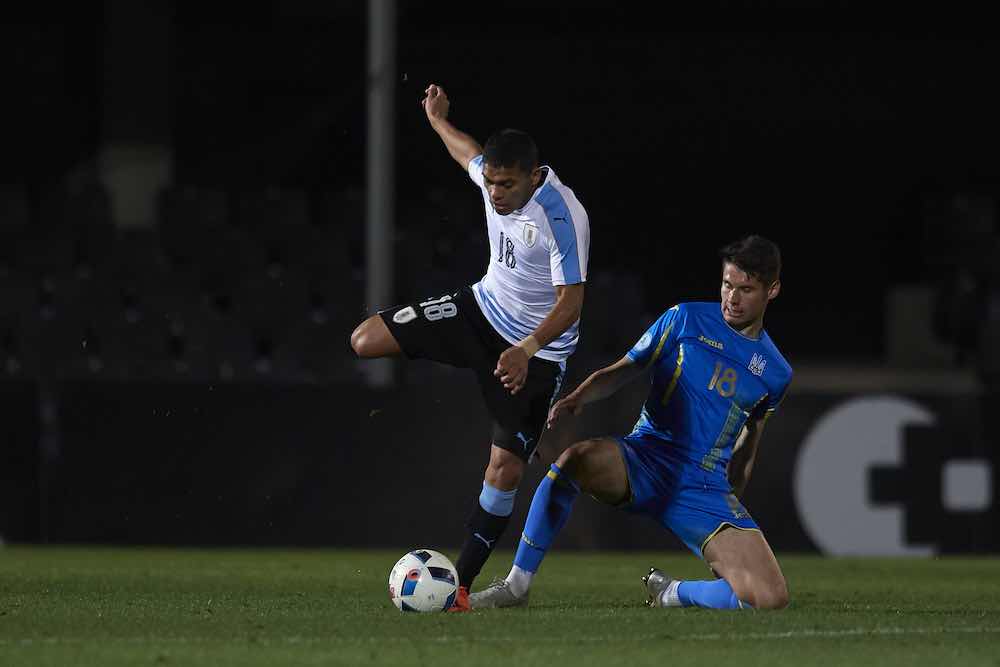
[[759, 592], [359, 340], [505, 479], [504, 471], [366, 341], [769, 596], [574, 456], [595, 466], [773, 597]]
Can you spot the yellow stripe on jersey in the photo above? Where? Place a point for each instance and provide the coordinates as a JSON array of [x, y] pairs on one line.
[[677, 373], [659, 346]]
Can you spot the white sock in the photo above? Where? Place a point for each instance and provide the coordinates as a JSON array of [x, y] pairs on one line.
[[669, 597], [519, 581]]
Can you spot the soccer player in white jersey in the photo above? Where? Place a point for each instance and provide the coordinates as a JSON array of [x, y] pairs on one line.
[[514, 328]]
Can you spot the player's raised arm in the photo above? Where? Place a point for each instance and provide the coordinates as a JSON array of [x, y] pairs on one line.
[[460, 145], [601, 384]]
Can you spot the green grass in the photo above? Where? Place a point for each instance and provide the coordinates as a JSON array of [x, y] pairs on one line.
[[62, 606]]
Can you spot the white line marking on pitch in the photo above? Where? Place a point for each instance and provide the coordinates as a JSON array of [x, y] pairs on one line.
[[790, 634]]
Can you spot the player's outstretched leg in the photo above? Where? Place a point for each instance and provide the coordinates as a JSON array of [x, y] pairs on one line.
[[489, 519], [593, 466], [550, 508]]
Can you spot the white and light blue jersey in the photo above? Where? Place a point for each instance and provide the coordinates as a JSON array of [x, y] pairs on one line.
[[543, 244]]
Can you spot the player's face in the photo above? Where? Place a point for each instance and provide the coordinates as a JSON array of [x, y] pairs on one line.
[[509, 188], [744, 298]]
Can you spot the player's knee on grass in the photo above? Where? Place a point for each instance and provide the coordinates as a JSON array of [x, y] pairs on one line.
[[760, 593], [773, 596]]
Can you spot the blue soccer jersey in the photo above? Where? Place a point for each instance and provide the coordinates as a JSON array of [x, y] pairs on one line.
[[707, 381]]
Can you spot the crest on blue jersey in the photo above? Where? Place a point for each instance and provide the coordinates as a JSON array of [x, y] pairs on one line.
[[529, 234], [757, 364]]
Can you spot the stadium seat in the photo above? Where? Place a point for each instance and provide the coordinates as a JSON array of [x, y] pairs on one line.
[[58, 329], [259, 211], [189, 206], [14, 224], [315, 350], [269, 300], [17, 300], [80, 213], [14, 206], [204, 344]]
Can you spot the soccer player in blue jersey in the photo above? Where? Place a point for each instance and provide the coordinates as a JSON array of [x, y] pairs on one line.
[[515, 328], [716, 377]]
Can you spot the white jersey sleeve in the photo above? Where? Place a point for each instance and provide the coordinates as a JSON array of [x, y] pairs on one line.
[[476, 170]]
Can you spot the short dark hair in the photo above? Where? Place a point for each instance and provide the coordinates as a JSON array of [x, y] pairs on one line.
[[756, 255], [508, 148]]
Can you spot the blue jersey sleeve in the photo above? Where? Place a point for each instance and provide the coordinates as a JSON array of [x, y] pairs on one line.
[[775, 399], [658, 339]]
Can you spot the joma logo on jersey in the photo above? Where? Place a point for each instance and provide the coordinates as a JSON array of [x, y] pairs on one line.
[[757, 364], [712, 343]]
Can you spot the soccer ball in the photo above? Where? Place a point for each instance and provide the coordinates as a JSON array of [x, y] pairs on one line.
[[423, 580]]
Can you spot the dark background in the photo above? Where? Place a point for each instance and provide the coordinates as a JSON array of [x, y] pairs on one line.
[[869, 155], [846, 146]]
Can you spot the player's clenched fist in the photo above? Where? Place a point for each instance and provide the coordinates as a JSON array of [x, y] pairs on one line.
[[436, 102], [512, 368]]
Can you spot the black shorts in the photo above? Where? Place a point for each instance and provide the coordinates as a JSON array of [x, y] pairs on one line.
[[453, 330]]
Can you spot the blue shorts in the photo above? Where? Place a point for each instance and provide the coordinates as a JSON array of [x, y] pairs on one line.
[[692, 503]]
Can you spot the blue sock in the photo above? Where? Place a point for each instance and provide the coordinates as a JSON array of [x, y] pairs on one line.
[[549, 511], [716, 594]]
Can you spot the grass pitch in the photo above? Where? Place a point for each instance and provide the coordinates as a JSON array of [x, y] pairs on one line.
[[68, 606]]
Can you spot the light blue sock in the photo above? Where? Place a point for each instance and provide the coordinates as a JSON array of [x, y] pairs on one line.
[[716, 594], [497, 502], [550, 508]]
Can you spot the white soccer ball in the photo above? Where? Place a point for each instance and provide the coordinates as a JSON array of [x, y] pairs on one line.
[[423, 580]]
